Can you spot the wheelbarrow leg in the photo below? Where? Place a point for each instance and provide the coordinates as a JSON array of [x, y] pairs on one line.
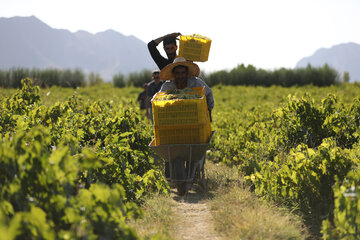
[[202, 180], [183, 169], [179, 170], [201, 175]]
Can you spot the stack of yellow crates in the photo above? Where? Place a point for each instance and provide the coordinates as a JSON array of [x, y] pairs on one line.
[[181, 121]]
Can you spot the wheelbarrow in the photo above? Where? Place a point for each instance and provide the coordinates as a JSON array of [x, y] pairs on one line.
[[186, 163]]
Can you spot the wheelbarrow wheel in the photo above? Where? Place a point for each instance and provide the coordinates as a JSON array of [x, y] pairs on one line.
[[181, 188]]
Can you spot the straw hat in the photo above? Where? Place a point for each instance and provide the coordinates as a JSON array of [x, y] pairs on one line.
[[166, 72]]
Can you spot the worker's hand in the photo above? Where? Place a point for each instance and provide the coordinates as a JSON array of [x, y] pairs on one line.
[[175, 34]]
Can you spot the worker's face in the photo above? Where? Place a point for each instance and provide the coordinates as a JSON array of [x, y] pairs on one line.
[[156, 76], [180, 76], [170, 50]]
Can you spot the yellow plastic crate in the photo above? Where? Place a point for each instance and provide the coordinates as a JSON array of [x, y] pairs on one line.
[[180, 111], [183, 134], [194, 49]]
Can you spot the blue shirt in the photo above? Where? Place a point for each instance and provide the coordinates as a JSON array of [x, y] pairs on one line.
[[153, 88]]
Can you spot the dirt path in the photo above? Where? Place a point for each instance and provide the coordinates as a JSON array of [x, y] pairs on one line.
[[195, 217]]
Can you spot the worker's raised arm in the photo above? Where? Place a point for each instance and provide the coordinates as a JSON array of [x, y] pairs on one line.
[[160, 39]]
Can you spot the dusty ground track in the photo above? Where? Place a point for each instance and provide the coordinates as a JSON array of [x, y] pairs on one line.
[[195, 217]]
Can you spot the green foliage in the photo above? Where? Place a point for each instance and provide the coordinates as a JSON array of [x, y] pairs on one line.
[[73, 170], [296, 146], [300, 121], [23, 99], [304, 177], [290, 149], [346, 221]]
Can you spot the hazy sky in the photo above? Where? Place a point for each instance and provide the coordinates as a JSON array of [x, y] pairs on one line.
[[268, 34]]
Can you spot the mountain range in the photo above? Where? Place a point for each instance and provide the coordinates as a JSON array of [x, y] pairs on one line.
[[28, 42], [343, 57]]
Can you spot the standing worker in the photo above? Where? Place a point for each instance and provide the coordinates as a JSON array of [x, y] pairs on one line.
[[142, 97], [152, 88], [170, 47]]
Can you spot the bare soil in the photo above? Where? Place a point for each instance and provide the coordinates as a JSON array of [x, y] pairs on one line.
[[195, 217]]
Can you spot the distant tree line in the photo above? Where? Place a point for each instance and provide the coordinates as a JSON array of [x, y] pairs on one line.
[[136, 79], [240, 75], [250, 76], [48, 77]]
